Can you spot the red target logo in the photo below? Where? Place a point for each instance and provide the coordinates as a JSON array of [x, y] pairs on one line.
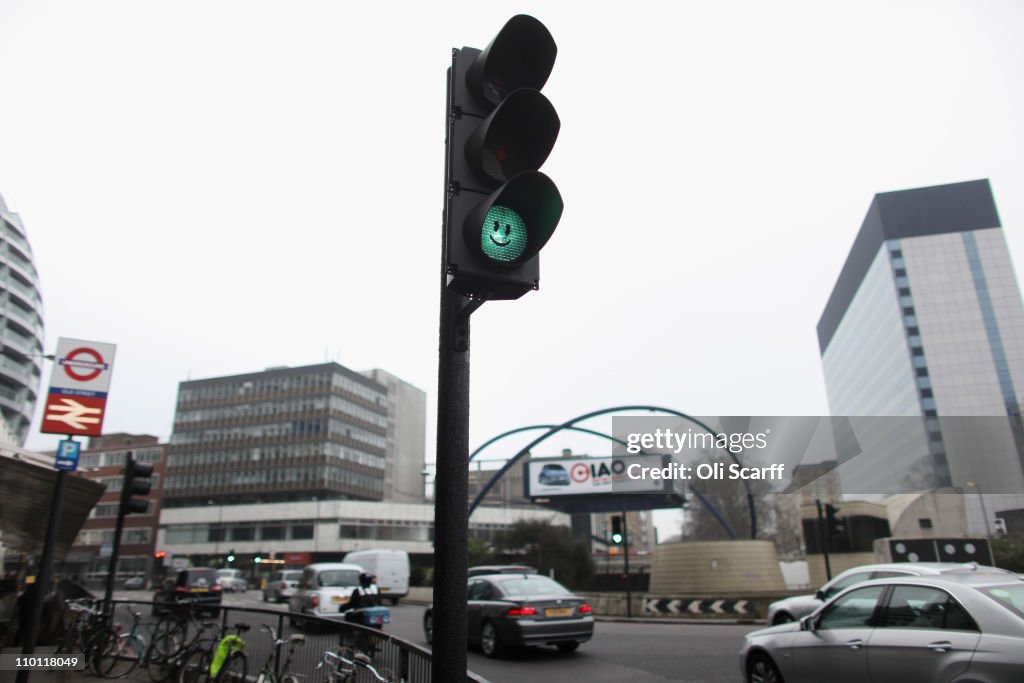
[[579, 472]]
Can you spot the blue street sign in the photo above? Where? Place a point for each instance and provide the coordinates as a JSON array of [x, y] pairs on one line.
[[67, 455]]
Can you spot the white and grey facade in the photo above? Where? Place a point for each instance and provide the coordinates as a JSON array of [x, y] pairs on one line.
[[319, 432], [21, 327], [926, 320]]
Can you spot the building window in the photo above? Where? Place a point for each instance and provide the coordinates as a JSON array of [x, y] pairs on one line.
[[925, 523]]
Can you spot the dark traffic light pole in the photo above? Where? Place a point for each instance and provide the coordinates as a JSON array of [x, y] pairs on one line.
[[451, 489]]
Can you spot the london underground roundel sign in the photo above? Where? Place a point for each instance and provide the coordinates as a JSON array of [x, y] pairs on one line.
[[79, 385]]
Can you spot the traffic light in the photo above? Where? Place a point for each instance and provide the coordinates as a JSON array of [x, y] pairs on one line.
[[231, 555], [136, 483], [836, 525], [499, 209], [617, 529]]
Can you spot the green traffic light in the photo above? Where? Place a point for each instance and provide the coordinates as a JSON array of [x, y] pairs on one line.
[[616, 538], [503, 235]]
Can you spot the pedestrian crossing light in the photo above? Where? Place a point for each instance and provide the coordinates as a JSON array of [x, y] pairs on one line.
[[500, 210]]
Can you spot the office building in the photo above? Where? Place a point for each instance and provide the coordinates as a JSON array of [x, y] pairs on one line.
[[926, 322], [320, 432], [21, 327]]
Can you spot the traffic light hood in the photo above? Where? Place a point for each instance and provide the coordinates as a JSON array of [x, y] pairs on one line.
[[517, 136], [520, 56]]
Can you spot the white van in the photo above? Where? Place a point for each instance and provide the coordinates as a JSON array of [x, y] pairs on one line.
[[391, 568]]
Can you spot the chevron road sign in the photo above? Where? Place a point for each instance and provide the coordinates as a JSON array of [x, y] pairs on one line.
[[674, 607]]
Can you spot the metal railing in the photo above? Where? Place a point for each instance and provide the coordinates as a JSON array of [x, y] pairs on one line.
[[403, 661]]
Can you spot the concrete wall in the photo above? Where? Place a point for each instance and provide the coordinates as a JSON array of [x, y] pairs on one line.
[[716, 568]]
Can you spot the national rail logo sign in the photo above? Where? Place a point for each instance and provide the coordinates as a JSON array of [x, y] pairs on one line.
[[77, 399]]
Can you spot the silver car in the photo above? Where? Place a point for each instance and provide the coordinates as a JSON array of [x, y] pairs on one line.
[[282, 586], [953, 628], [791, 609]]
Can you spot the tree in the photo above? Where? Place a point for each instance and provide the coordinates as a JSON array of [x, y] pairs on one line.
[[1008, 552], [480, 552], [546, 547]]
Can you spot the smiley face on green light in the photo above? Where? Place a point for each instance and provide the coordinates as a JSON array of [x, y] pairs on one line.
[[503, 234]]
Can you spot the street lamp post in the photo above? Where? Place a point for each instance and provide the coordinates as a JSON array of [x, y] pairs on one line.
[[984, 512]]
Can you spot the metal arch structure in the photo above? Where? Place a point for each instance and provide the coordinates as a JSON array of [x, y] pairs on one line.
[[700, 496], [570, 424]]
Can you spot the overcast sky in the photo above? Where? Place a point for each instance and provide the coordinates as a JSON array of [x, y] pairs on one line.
[[222, 187]]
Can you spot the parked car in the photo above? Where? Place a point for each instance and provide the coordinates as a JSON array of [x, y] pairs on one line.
[[195, 586], [281, 586], [323, 588], [482, 569], [391, 567], [135, 583], [232, 580], [792, 609], [507, 610], [954, 627]]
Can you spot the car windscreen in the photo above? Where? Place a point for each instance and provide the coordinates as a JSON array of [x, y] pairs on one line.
[[338, 577], [200, 578], [1010, 596], [531, 585], [290, 576]]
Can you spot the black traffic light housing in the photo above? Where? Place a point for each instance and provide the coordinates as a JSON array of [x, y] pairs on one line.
[[835, 524], [617, 529], [499, 209], [137, 482]]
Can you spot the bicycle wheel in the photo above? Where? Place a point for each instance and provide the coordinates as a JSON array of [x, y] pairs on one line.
[[195, 667], [234, 668], [98, 645], [122, 658]]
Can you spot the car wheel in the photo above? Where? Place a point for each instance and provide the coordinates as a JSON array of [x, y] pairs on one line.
[[761, 669], [490, 642], [570, 646], [782, 618], [428, 628]]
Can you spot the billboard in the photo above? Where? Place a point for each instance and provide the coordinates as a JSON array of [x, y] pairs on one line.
[[551, 477]]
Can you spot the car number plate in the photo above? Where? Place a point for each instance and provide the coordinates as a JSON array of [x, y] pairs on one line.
[[198, 590], [339, 599], [558, 612]]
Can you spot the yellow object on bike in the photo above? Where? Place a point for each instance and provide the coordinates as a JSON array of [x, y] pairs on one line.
[[228, 645]]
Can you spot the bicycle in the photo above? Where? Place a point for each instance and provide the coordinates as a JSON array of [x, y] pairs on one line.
[[268, 674], [122, 655], [88, 631], [344, 670], [208, 660]]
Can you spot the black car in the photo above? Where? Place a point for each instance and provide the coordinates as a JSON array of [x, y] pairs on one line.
[[509, 610], [196, 587]]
